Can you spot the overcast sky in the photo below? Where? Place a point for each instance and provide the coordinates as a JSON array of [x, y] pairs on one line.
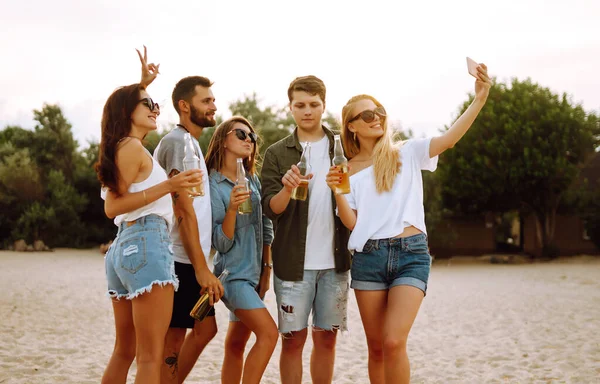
[[408, 54]]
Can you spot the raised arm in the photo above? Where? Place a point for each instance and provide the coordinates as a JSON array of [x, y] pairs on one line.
[[149, 71], [447, 140]]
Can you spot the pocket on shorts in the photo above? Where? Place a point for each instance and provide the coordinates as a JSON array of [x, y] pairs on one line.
[[368, 247], [418, 247], [133, 254]]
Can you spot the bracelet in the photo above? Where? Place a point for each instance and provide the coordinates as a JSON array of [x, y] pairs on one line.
[[269, 265], [145, 199]]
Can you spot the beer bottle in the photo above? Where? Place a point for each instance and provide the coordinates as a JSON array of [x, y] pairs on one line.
[[203, 306], [246, 206], [192, 161], [301, 191], [340, 161]]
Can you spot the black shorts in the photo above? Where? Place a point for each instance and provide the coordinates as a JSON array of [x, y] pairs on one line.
[[185, 297]]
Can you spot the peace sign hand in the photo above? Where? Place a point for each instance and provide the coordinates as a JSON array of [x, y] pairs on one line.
[[149, 71]]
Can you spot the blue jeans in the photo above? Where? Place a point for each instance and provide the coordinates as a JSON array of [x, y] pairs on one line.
[[140, 257], [324, 292], [386, 263]]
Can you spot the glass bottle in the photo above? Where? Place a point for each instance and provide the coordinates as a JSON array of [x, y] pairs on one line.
[[301, 191], [203, 306], [246, 206], [340, 161], [192, 161]]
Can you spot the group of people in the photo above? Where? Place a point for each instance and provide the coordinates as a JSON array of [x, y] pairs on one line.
[[158, 266]]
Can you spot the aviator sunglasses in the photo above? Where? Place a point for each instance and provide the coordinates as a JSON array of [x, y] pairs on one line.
[[369, 115], [148, 102], [242, 135]]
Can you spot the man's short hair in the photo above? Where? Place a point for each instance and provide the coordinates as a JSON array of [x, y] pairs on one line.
[[185, 89], [309, 84]]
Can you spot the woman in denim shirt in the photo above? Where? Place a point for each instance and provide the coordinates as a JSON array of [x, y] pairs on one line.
[[243, 244]]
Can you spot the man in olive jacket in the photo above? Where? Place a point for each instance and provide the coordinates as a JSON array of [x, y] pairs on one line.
[[310, 251]]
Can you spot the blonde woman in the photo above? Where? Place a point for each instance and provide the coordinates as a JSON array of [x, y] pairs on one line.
[[384, 211]]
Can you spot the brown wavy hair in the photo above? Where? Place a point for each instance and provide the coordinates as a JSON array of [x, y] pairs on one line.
[[386, 158], [309, 84], [215, 154], [116, 124]]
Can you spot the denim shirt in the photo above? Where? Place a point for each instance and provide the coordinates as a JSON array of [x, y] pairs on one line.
[[242, 255]]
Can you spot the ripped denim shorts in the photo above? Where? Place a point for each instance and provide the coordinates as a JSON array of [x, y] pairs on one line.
[[140, 256], [322, 293]]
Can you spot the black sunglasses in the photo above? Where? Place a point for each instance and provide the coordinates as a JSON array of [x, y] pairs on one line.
[[242, 135], [148, 102], [369, 115]]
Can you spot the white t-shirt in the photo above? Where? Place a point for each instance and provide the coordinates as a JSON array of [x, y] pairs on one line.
[[169, 153], [319, 233], [385, 215]]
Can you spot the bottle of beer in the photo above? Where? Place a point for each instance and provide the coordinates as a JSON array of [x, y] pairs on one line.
[[301, 191], [203, 306], [246, 206], [340, 161], [192, 161]]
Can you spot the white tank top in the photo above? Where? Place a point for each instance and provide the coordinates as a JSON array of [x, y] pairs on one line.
[[162, 207]]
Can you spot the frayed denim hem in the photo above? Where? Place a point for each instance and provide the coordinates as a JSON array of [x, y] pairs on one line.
[[141, 291]]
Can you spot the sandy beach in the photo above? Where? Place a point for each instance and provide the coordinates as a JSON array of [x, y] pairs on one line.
[[480, 323]]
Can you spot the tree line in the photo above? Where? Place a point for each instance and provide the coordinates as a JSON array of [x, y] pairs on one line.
[[525, 153]]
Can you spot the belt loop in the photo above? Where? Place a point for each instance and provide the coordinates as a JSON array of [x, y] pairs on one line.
[[376, 244]]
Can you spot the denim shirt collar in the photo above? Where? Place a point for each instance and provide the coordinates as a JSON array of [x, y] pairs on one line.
[[218, 176]]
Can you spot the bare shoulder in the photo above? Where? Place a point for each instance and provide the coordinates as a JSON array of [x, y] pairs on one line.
[[130, 148]]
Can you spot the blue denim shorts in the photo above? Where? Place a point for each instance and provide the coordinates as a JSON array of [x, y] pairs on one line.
[[386, 263], [240, 294], [324, 293], [140, 256]]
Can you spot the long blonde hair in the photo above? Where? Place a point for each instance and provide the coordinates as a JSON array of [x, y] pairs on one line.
[[386, 157]]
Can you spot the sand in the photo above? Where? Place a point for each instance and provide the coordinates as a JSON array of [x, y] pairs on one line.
[[480, 323]]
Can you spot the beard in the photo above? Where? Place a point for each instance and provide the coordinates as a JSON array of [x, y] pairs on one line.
[[199, 119]]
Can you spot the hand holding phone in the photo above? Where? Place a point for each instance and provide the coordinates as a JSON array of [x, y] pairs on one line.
[[472, 67]]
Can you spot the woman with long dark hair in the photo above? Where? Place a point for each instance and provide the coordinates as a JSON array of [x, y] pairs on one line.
[[243, 244], [139, 264]]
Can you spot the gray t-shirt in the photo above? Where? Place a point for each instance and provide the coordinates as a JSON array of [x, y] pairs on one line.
[[169, 153]]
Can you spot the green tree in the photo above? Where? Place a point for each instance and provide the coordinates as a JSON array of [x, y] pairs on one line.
[[523, 153], [20, 186], [53, 144]]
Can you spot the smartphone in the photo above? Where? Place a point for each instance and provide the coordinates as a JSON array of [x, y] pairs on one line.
[[472, 67]]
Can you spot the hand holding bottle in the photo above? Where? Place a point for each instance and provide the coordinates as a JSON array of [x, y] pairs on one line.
[[293, 177], [238, 195], [334, 178], [303, 172], [187, 179]]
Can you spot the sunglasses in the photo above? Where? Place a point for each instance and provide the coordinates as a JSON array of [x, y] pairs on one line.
[[369, 115], [148, 102], [242, 135]]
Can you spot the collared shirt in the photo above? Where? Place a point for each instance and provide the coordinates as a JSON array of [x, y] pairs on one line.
[[289, 245], [242, 255]]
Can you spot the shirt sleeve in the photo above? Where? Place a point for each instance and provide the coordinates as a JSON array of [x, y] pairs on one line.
[[267, 224], [219, 208], [420, 151], [170, 155], [271, 183]]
